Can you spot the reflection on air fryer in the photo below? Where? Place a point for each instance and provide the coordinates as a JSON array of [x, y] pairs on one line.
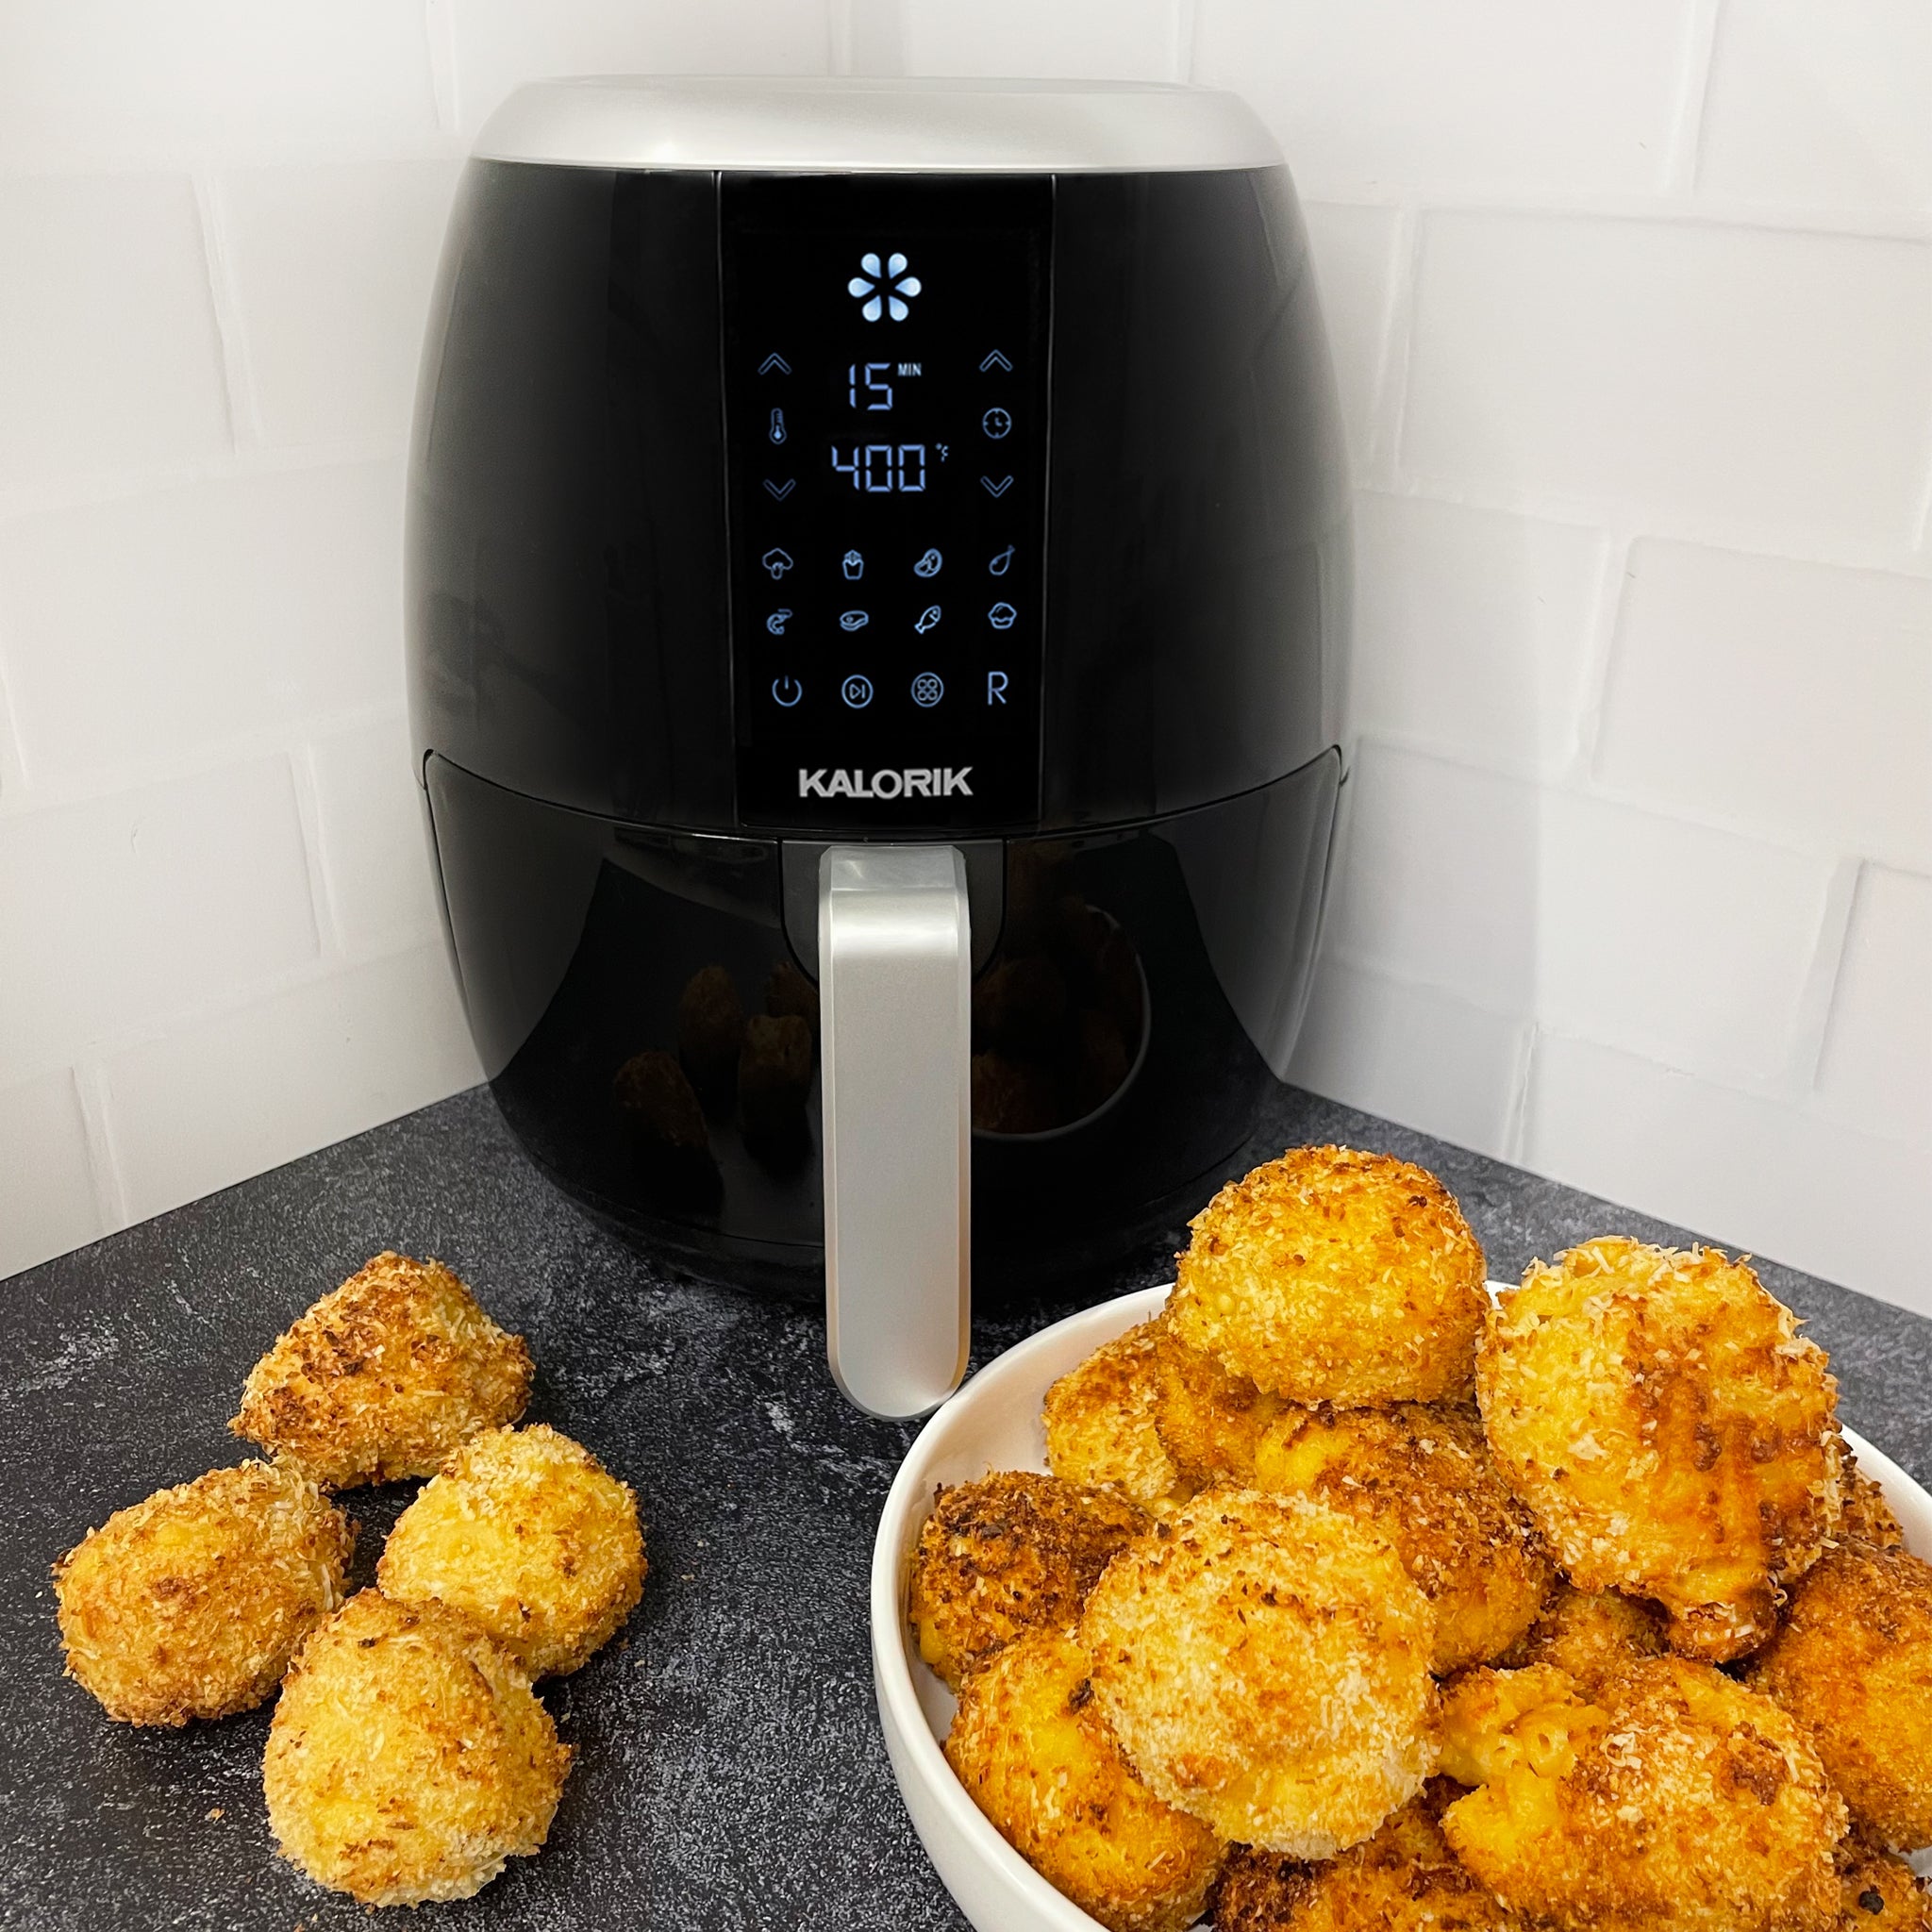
[[1058, 1024]]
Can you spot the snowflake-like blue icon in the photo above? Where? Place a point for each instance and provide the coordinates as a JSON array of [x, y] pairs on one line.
[[885, 291]]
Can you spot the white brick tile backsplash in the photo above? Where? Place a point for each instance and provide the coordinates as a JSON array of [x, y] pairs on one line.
[[501, 44], [123, 911], [1473, 629], [1876, 1067], [1744, 1171], [156, 624], [1486, 96], [1826, 105], [1110, 39], [374, 850], [112, 358], [1674, 369], [1410, 1054], [47, 1201], [331, 271], [282, 1077], [1788, 696], [1355, 266], [93, 79]]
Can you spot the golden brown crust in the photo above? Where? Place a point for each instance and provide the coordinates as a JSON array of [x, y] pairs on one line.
[[528, 1535], [1670, 1428], [1012, 1552], [1867, 1517], [190, 1603], [384, 1377], [1673, 1800], [1210, 1419], [1334, 1275], [1264, 1663], [409, 1758], [1421, 1474], [1877, 1891], [1100, 1426], [1036, 1755], [1590, 1635], [1403, 1879], [1853, 1663]]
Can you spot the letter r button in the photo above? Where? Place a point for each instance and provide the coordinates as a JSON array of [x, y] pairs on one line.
[[995, 686]]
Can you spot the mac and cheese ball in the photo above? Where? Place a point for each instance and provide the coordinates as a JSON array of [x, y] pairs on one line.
[[1210, 1419], [1100, 1423], [1590, 1635]]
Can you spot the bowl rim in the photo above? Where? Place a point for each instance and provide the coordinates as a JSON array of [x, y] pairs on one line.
[[905, 1509]]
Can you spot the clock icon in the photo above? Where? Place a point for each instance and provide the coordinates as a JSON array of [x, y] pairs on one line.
[[996, 422]]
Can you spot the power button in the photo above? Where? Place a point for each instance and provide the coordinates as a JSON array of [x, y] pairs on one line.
[[786, 691]]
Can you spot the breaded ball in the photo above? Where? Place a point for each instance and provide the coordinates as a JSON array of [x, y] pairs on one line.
[[1422, 1476], [1035, 1755], [1877, 1891], [191, 1603], [775, 1078], [1209, 1418], [1589, 1635], [1334, 1275], [383, 1378], [1265, 1663], [1671, 1429], [1099, 1419], [1403, 1879], [1853, 1663], [528, 1535], [658, 1107], [1867, 1517], [710, 1032], [409, 1758], [1012, 1552], [1672, 1798]]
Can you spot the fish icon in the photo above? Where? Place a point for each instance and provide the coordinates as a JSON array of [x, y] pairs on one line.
[[927, 618]]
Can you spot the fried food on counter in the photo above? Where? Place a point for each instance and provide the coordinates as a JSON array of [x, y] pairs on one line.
[[659, 1106], [1210, 1419], [1853, 1663], [1877, 1891], [710, 1032], [774, 1079], [1334, 1275], [1673, 1432], [190, 1603], [1100, 1426], [1670, 1797], [409, 1758], [1010, 1552], [1403, 1879], [1036, 1755], [1591, 1634], [528, 1535], [1867, 1517], [384, 1377], [1264, 1663], [1422, 1476]]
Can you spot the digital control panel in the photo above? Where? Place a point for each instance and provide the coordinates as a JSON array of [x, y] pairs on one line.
[[885, 411]]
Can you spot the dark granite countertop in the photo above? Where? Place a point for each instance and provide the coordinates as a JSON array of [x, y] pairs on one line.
[[730, 1771]]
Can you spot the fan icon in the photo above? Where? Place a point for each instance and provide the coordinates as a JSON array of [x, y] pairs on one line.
[[883, 291]]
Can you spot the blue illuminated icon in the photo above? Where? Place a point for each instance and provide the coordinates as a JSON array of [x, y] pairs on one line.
[[857, 692], [781, 490], [998, 566], [993, 359], [775, 623], [786, 691], [927, 618], [777, 428], [927, 689], [995, 686], [996, 422], [1001, 616], [883, 290], [853, 620], [852, 565], [999, 488], [928, 565], [777, 562]]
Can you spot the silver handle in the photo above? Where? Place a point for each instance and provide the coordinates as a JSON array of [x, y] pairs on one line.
[[895, 1004]]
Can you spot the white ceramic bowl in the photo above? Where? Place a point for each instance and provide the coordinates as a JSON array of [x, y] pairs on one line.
[[993, 1423]]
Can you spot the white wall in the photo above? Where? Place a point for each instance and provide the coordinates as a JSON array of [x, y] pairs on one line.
[[1632, 303]]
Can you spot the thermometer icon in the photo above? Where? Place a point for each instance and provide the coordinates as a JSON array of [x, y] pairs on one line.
[[777, 431]]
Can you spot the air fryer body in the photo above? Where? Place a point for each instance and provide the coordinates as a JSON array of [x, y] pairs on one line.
[[995, 502]]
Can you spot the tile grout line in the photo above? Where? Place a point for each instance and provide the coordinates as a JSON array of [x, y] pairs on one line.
[[244, 415], [301, 767], [1390, 403], [1818, 996], [1187, 39], [1515, 1116], [1605, 618], [439, 33], [1685, 163], [102, 1155]]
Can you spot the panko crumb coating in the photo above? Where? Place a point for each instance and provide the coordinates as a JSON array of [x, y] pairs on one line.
[[191, 1603], [1670, 1800], [1035, 1754], [1099, 1422], [1209, 1418], [383, 1378], [1867, 1517], [1590, 1635], [1010, 1552], [1264, 1661], [1403, 1879], [1853, 1663], [409, 1758], [1877, 1891], [1334, 1275], [528, 1535], [1421, 1474], [1672, 1430]]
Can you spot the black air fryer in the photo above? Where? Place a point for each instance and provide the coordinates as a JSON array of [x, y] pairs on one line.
[[878, 585]]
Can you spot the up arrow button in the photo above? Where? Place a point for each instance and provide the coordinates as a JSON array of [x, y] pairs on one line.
[[995, 361]]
